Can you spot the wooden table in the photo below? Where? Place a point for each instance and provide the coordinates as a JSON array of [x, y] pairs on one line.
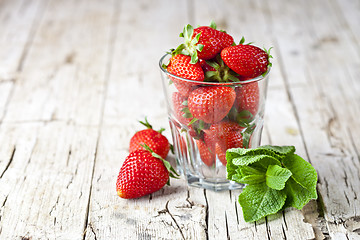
[[75, 76]]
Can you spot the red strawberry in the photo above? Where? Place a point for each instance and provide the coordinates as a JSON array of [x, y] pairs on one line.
[[180, 66], [180, 108], [247, 98], [154, 139], [222, 132], [183, 115], [246, 60], [206, 155], [220, 151], [232, 139], [203, 42], [212, 40], [212, 103], [222, 136], [141, 174]]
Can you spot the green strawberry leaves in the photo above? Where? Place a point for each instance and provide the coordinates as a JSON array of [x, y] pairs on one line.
[[190, 45], [276, 178], [222, 72]]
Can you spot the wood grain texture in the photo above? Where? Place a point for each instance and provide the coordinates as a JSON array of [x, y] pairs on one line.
[[76, 76]]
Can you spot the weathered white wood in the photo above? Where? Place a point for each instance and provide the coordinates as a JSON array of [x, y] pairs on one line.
[[48, 174], [18, 22], [64, 72], [323, 106], [75, 76], [58, 99]]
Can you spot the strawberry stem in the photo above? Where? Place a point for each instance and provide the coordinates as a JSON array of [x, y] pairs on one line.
[[149, 126], [213, 24], [222, 72], [190, 46], [146, 123]]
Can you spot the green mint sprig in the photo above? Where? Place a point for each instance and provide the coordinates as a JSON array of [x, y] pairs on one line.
[[275, 178]]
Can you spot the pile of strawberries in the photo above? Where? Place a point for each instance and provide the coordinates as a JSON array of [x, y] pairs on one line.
[[145, 169], [218, 113]]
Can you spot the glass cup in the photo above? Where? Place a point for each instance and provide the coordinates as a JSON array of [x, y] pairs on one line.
[[202, 130]]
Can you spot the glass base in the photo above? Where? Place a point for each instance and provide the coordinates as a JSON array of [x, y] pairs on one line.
[[214, 185]]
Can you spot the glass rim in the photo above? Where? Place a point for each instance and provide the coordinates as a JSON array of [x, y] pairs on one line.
[[256, 79]]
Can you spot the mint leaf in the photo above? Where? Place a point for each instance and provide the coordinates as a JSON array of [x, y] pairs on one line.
[[278, 150], [249, 179], [246, 170], [301, 187], [230, 169], [248, 175], [303, 172], [246, 160], [277, 176], [258, 201], [268, 150], [265, 162], [242, 157], [297, 196]]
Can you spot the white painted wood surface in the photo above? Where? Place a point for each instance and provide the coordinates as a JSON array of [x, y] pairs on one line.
[[75, 76]]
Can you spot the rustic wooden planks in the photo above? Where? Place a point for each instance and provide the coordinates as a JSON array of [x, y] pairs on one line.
[[75, 76], [53, 116]]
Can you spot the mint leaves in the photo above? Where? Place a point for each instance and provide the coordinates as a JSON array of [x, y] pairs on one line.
[[275, 178]]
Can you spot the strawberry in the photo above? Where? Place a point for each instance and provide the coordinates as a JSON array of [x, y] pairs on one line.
[[183, 115], [211, 103], [232, 139], [142, 173], [203, 42], [222, 136], [180, 66], [206, 155], [181, 111], [247, 98], [154, 139], [213, 40], [220, 151], [246, 60], [222, 132]]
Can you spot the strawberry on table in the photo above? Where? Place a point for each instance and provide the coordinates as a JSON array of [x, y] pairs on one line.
[[142, 173], [211, 103], [180, 66], [246, 60], [154, 139]]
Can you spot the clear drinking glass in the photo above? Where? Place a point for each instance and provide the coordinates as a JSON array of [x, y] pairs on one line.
[[200, 146]]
